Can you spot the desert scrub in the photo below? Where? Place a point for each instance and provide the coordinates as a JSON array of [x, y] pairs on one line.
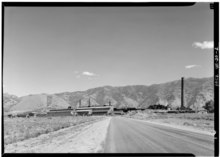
[[150, 115], [193, 116], [146, 115], [203, 122], [18, 129]]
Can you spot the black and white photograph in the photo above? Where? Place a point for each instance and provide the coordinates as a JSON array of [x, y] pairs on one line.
[[109, 79]]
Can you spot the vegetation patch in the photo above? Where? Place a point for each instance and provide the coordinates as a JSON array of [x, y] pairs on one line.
[[18, 129], [204, 122]]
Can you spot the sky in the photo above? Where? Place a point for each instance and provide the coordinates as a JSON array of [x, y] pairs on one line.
[[66, 49]]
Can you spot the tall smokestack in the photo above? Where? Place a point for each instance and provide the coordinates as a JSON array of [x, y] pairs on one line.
[[89, 102], [109, 103], [79, 102], [182, 92]]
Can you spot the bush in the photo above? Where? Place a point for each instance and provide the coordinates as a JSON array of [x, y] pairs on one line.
[[159, 106], [184, 108], [209, 106], [187, 124]]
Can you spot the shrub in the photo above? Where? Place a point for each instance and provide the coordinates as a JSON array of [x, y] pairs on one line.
[[159, 106], [187, 123], [184, 108], [209, 106]]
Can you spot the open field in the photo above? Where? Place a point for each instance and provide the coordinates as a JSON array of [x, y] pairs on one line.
[[203, 122], [18, 129], [83, 138]]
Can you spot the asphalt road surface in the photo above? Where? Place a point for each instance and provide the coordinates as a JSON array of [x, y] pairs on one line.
[[133, 136]]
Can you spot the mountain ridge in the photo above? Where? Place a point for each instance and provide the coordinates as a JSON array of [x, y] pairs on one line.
[[197, 92]]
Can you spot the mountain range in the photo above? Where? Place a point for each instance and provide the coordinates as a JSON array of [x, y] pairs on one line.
[[197, 92]]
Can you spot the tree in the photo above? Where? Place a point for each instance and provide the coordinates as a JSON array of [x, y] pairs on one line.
[[157, 106], [209, 106], [184, 108]]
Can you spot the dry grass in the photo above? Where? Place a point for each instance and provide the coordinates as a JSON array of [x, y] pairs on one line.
[[204, 122], [18, 129], [150, 115]]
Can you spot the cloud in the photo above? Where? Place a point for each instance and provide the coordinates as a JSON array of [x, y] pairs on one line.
[[88, 73], [204, 45], [191, 66]]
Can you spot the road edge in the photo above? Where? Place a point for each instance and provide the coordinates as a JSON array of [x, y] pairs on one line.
[[175, 127], [100, 148]]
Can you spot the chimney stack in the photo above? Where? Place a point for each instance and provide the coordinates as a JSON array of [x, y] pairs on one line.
[[89, 102], [182, 92], [79, 103]]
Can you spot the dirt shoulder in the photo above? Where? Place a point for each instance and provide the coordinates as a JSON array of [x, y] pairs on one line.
[[177, 126], [187, 121], [185, 124], [84, 138]]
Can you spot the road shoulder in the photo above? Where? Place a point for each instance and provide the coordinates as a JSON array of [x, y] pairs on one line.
[[175, 126]]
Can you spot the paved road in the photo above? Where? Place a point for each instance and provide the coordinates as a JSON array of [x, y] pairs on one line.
[[133, 136]]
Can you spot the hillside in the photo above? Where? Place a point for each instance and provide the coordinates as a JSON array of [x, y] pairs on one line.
[[39, 102], [9, 101], [197, 92]]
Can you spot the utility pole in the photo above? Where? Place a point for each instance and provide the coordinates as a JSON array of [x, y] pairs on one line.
[[182, 92]]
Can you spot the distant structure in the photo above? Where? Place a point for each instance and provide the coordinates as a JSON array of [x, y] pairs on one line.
[[182, 93], [109, 103], [79, 102], [89, 103]]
